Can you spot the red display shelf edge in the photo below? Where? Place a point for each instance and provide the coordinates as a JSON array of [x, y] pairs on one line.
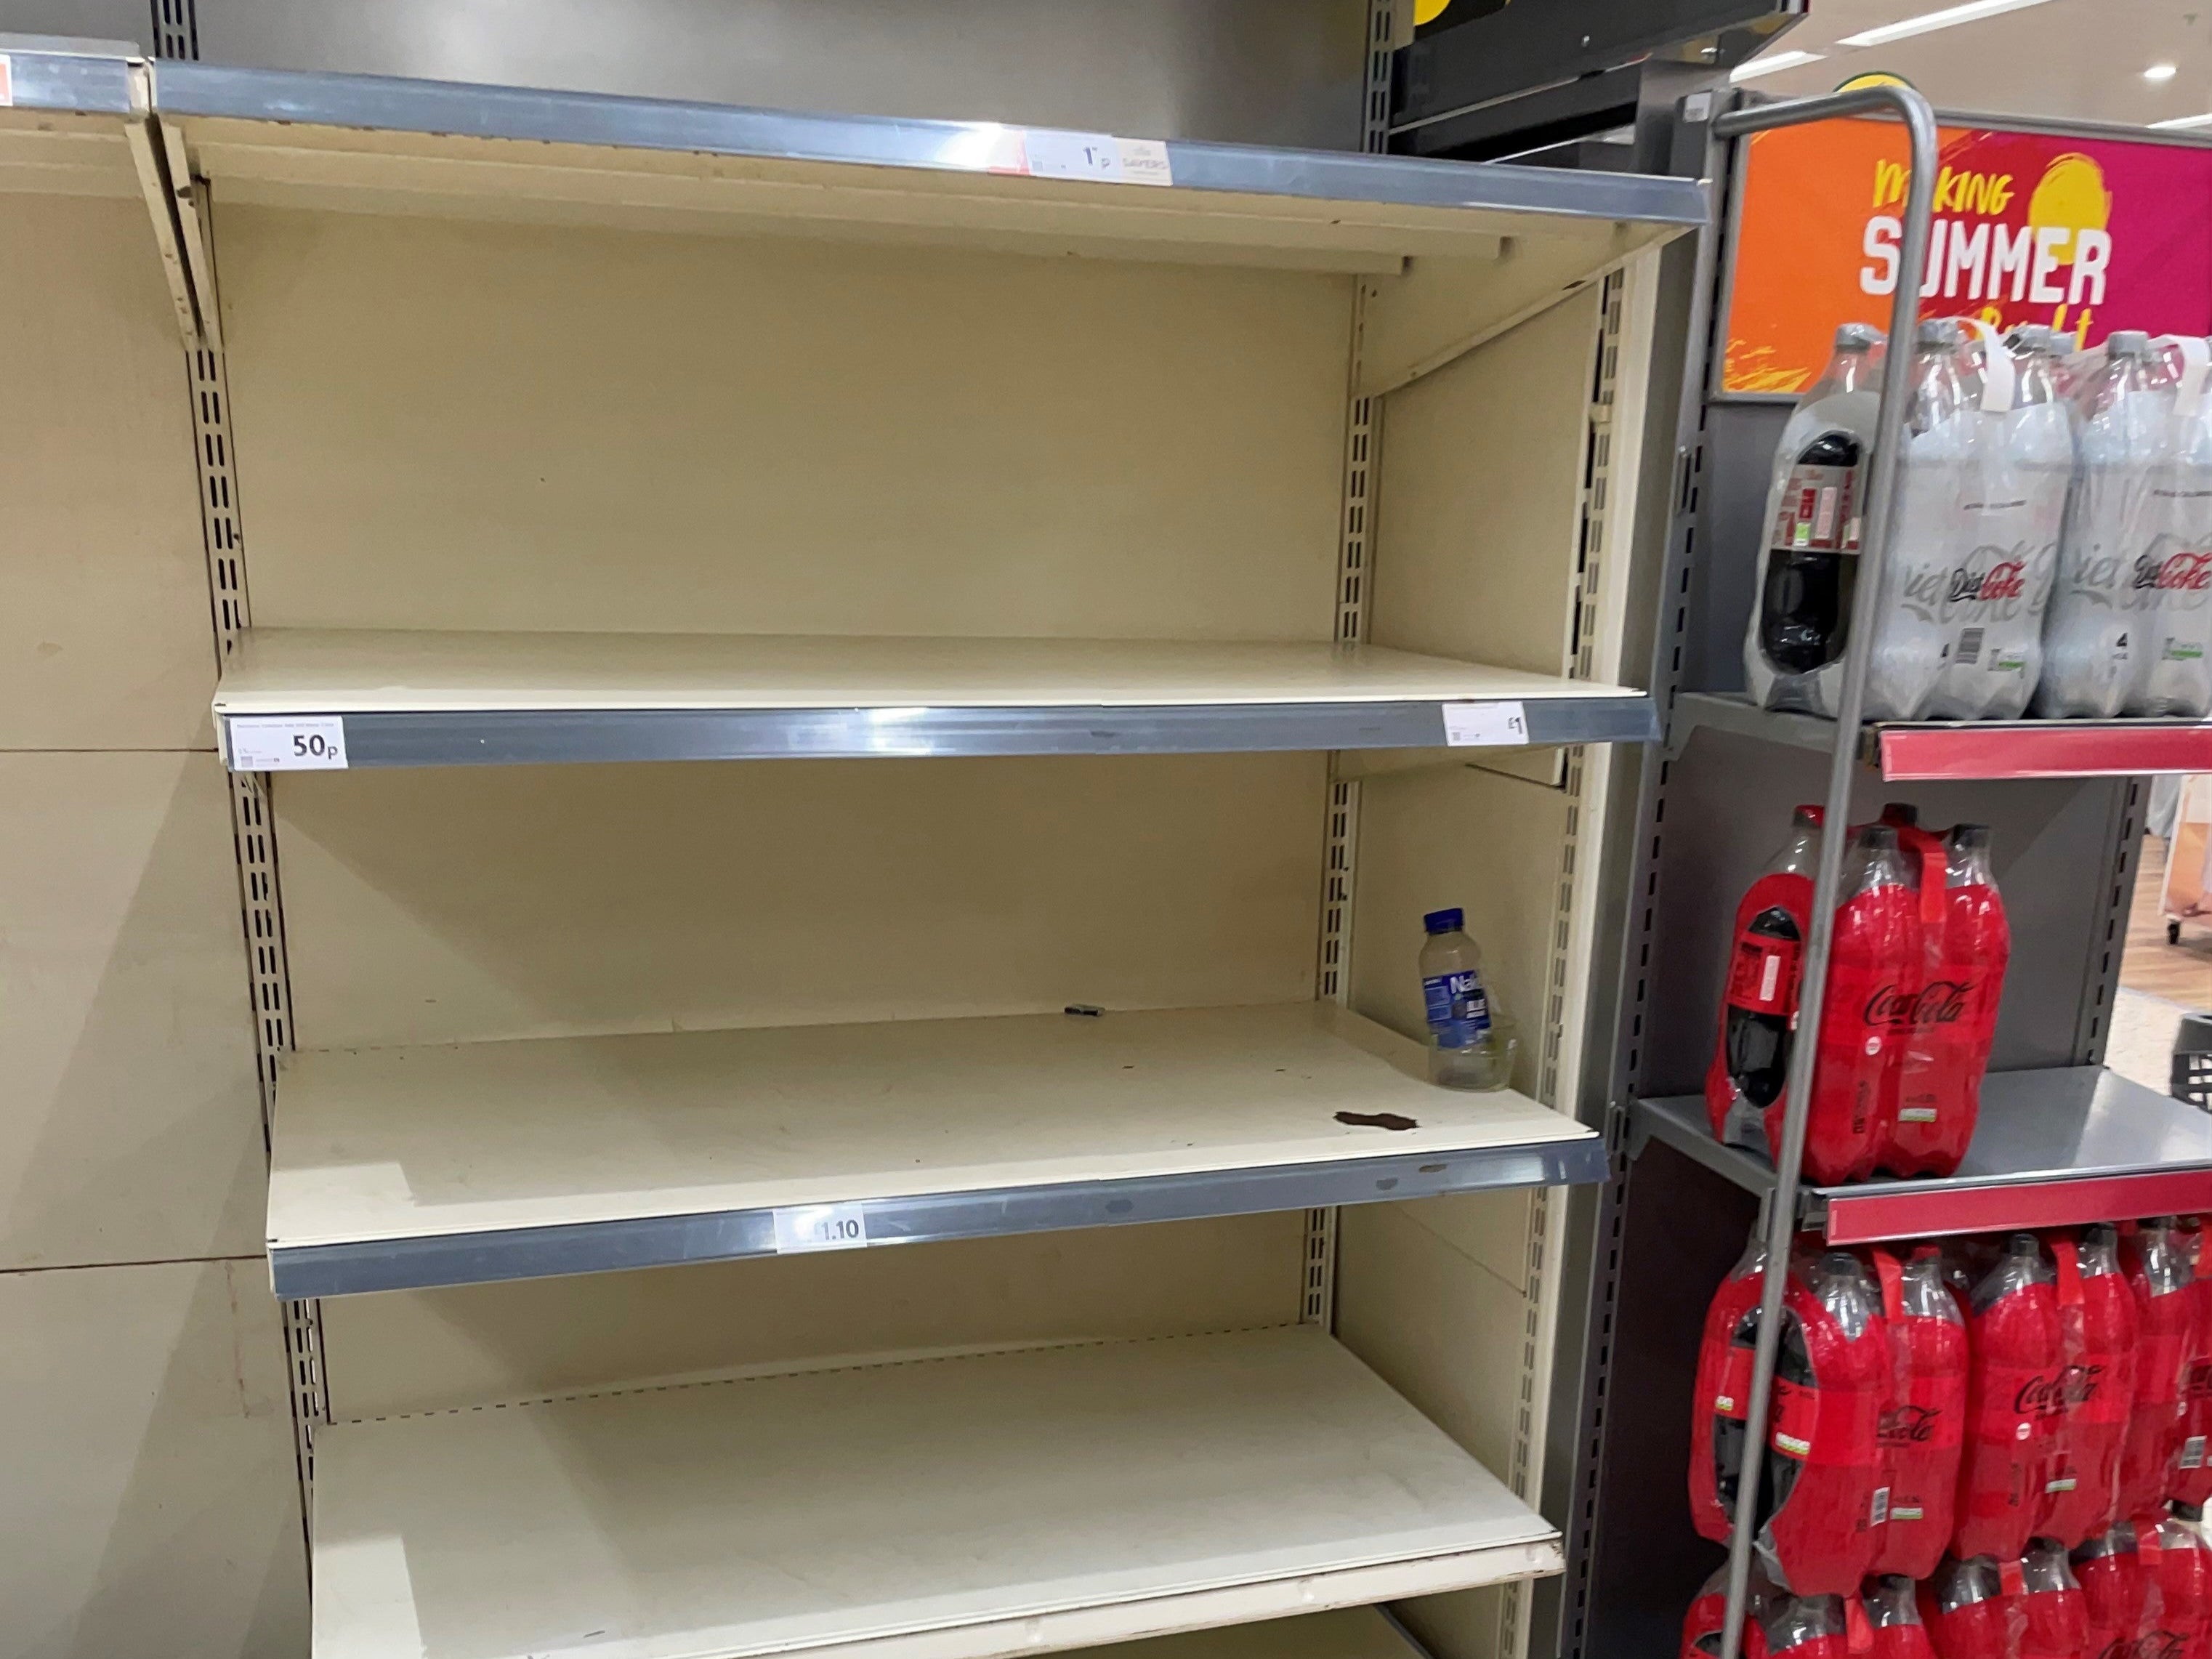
[[2048, 748]]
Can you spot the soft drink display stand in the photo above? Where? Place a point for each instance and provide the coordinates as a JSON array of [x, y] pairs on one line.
[[782, 687], [2059, 1142]]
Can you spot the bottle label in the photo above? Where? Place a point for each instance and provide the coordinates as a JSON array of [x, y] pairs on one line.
[[1927, 1420], [1458, 1009], [2022, 1403], [1762, 978], [1819, 510]]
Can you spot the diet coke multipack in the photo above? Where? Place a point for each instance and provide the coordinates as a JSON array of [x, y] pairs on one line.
[[2049, 550], [1916, 970]]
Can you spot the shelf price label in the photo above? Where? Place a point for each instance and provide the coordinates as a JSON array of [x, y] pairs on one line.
[[821, 1227], [287, 744], [1099, 156], [1485, 724]]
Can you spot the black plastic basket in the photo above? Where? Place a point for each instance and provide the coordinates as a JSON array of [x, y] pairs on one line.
[[2193, 1061]]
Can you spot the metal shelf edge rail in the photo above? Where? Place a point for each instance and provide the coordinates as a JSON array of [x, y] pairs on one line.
[[1919, 119], [529, 737], [420, 1263], [389, 104]]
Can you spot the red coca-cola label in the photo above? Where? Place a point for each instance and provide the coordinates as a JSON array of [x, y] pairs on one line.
[[2158, 1380], [1928, 1419], [1763, 974], [2017, 1405], [1939, 1002], [1796, 1429], [1732, 1399], [1819, 510], [2182, 572]]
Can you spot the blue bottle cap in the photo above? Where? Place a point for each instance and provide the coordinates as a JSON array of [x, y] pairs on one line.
[[1444, 922]]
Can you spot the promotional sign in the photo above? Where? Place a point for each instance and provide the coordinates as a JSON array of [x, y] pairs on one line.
[[2086, 235]]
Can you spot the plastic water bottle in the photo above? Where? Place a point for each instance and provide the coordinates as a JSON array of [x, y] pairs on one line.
[[1471, 1042], [1911, 641]]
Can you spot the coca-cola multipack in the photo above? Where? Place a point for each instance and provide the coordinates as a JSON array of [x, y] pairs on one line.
[[2022, 1461], [2052, 544], [1916, 970]]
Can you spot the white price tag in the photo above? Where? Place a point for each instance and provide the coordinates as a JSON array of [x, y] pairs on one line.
[[1485, 724], [821, 1227], [1099, 156], [287, 744]]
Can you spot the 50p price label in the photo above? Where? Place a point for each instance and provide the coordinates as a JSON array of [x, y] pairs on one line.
[[287, 744], [821, 1227]]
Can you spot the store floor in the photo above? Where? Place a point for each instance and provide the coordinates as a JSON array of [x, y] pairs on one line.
[[2158, 982]]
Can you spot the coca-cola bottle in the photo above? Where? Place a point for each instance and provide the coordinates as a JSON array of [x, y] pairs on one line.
[[1809, 567], [2166, 1319], [2110, 1572], [2015, 1402], [2177, 1620], [2055, 1623], [1977, 949], [1916, 1112], [2191, 1480], [1866, 1015], [1923, 1419], [1968, 1614], [2096, 1321], [1892, 1613], [2172, 577], [1824, 1446], [1758, 1012], [1708, 1617], [1808, 1627], [1928, 531], [1722, 1397]]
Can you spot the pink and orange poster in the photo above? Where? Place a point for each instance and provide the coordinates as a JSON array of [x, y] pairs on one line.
[[2087, 234]]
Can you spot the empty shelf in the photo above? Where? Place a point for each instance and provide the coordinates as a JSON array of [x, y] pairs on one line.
[[442, 699], [948, 1509], [2055, 1148], [397, 1168], [416, 146], [1910, 751]]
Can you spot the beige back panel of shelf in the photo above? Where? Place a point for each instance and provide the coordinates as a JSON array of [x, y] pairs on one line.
[[150, 1503], [436, 1349], [132, 1128], [581, 429], [105, 637], [473, 903]]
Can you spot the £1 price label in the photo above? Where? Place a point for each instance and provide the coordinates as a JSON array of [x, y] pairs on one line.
[[288, 743], [1485, 724], [821, 1227]]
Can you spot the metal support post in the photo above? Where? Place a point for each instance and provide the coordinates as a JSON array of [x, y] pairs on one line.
[[1881, 511]]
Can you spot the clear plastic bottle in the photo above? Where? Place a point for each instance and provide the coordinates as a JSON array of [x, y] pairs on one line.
[[1815, 502], [2094, 651], [1911, 641], [1471, 1039]]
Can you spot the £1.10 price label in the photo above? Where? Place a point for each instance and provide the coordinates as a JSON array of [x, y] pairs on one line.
[[821, 1227], [289, 744]]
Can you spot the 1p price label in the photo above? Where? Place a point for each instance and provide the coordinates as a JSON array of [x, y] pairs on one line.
[[289, 744], [821, 1227], [1486, 725]]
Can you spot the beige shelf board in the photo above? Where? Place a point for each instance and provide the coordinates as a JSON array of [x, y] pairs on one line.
[[964, 1508], [1347, 1633], [469, 1142], [338, 671]]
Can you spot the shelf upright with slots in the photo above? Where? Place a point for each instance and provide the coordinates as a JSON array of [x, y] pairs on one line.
[[839, 731]]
